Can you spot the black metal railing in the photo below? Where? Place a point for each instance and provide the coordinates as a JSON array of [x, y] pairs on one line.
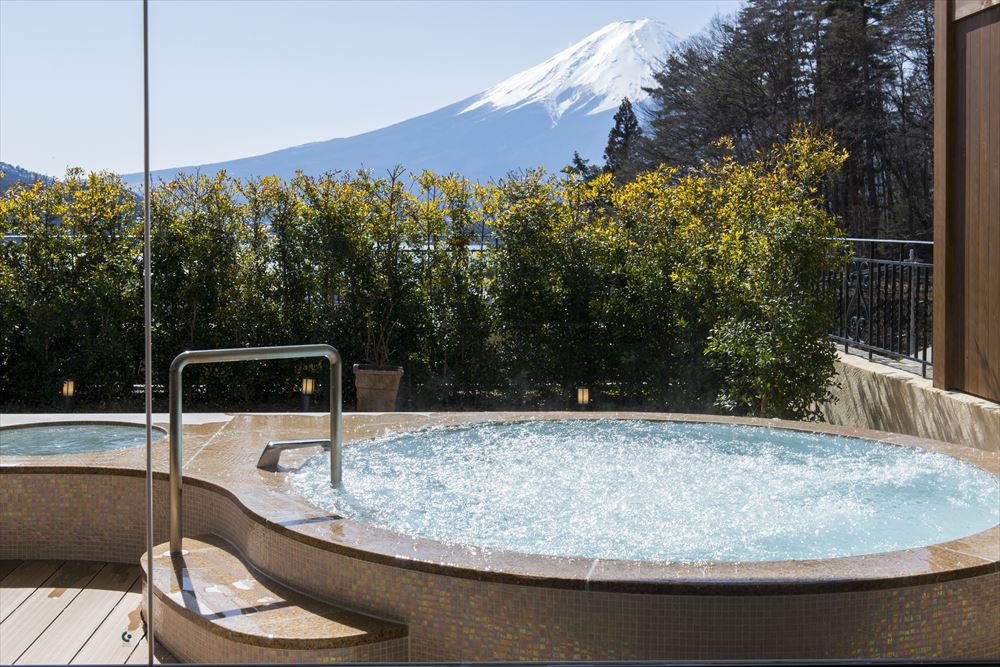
[[884, 300]]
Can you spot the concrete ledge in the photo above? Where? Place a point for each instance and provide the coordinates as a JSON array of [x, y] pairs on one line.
[[875, 396]]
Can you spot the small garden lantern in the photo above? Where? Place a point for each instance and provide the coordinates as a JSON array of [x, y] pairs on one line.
[[308, 387], [68, 392], [583, 397]]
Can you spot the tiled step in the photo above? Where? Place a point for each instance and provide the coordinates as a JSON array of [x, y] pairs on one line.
[[211, 606]]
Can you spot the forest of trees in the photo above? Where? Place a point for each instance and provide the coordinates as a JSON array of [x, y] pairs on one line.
[[858, 68], [11, 175]]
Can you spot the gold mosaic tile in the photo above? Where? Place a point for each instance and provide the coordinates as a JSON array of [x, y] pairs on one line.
[[462, 604]]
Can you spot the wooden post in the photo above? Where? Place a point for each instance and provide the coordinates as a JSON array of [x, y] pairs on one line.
[[967, 196], [944, 311]]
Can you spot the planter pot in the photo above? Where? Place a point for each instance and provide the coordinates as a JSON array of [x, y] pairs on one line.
[[377, 387]]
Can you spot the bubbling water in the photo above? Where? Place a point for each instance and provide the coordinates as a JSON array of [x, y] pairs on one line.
[[49, 439], [660, 491]]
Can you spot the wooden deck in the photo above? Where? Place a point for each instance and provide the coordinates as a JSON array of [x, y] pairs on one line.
[[71, 612]]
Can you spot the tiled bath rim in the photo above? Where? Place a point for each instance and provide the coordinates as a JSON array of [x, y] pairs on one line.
[[939, 600], [158, 431]]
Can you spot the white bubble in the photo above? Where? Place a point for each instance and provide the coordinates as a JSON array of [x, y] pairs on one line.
[[642, 490]]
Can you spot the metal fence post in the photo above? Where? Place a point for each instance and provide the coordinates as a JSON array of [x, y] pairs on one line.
[[913, 304]]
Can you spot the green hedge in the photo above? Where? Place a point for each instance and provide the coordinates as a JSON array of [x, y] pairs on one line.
[[677, 291]]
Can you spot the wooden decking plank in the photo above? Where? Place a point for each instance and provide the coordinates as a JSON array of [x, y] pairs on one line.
[[7, 566], [71, 629], [140, 654], [19, 584], [108, 645], [34, 615]]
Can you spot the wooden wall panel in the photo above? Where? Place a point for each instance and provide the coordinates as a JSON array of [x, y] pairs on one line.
[[967, 198]]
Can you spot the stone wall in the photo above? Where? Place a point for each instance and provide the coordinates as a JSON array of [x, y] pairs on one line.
[[879, 397]]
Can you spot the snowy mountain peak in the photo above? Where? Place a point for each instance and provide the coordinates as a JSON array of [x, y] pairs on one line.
[[592, 75], [537, 118]]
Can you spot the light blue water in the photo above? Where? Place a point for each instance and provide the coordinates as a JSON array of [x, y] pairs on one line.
[[72, 438], [661, 491]]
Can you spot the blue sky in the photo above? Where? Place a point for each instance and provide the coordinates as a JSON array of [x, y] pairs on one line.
[[236, 78]]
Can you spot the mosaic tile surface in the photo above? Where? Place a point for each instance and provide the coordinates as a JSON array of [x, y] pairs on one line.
[[459, 604]]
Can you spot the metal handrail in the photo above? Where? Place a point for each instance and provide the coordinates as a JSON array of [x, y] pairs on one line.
[[859, 239], [884, 307], [242, 354], [271, 455]]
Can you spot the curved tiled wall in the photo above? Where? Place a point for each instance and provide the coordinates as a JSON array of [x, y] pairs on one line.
[[94, 514]]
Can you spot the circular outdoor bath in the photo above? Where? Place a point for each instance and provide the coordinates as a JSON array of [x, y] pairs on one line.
[[645, 536], [656, 491], [564, 536], [72, 438]]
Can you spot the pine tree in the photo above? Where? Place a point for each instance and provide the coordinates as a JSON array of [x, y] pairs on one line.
[[850, 99], [858, 68], [623, 142], [581, 166]]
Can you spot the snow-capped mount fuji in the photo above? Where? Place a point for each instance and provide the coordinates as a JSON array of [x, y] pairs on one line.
[[535, 118], [593, 75]]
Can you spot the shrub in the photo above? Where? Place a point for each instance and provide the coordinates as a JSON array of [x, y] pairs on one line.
[[457, 350], [70, 290], [547, 280], [681, 291], [754, 243]]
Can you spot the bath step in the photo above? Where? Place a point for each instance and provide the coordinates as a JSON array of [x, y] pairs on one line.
[[212, 606]]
